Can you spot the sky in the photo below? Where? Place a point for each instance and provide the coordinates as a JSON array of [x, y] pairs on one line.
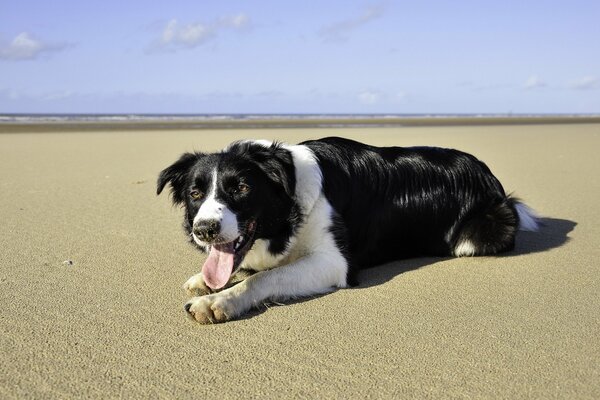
[[273, 56]]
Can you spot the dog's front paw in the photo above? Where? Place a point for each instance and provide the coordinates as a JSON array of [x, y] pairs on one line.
[[211, 309], [195, 286]]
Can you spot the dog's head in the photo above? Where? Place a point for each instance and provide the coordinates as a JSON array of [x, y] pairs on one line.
[[232, 199]]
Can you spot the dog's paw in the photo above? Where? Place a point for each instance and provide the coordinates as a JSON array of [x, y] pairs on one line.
[[195, 286], [211, 309]]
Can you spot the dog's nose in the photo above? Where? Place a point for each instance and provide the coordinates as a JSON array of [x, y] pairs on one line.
[[207, 230]]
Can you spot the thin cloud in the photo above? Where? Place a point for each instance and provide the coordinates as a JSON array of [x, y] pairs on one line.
[[402, 96], [12, 94], [585, 83], [373, 96], [341, 30], [60, 95], [494, 86], [9, 94], [25, 47], [369, 97], [534, 82], [176, 36]]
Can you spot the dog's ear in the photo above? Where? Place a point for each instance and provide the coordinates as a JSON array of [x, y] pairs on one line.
[[176, 175], [277, 163]]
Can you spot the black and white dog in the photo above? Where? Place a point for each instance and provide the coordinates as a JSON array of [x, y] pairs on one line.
[[284, 221]]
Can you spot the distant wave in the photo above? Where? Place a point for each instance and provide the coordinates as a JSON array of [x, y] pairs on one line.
[[47, 118]]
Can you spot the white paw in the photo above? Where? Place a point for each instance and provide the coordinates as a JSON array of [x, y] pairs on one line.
[[212, 309], [195, 286]]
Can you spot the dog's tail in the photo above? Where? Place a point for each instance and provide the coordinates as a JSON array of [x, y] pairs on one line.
[[529, 220]]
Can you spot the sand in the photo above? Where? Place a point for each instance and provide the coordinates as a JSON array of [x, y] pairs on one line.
[[523, 325]]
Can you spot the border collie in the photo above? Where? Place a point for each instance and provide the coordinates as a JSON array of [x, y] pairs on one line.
[[284, 221]]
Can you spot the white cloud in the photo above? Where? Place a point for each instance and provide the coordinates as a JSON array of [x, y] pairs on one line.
[[26, 47], [587, 82], [237, 21], [188, 35], [9, 94], [339, 31], [60, 95], [402, 96], [12, 94], [176, 35], [534, 82], [369, 97], [503, 86], [380, 97]]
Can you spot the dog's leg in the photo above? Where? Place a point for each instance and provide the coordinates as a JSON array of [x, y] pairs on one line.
[[195, 286], [314, 274]]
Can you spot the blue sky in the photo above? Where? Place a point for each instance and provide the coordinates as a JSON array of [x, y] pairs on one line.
[[269, 56]]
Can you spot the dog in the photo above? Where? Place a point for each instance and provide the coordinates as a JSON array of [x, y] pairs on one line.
[[283, 221]]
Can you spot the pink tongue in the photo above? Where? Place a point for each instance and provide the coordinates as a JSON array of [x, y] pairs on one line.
[[218, 266]]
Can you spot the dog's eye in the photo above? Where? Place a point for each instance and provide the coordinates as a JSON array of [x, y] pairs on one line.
[[196, 194], [243, 188]]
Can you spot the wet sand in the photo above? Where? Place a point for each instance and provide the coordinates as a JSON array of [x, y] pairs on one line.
[[112, 324]]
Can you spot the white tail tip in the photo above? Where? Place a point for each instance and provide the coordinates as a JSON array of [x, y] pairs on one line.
[[528, 219]]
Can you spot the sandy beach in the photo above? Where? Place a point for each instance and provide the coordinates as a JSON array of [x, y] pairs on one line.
[[110, 323]]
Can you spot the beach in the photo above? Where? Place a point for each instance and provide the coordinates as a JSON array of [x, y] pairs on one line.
[[93, 263]]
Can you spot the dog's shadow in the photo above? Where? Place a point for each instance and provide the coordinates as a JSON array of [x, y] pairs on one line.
[[553, 233]]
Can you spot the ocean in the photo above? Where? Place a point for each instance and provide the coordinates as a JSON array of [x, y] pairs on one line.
[[107, 118]]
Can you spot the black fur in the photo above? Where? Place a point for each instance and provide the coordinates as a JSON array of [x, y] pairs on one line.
[[401, 202]]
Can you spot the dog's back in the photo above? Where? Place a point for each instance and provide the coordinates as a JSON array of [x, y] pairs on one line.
[[399, 202]]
